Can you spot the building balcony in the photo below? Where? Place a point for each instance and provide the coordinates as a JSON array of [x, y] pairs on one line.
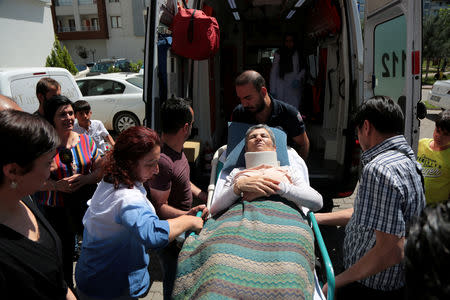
[[92, 22]]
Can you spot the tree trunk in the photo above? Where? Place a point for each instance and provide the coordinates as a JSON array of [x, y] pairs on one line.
[[427, 68]]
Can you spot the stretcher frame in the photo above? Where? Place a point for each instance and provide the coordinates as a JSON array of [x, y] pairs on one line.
[[216, 168]]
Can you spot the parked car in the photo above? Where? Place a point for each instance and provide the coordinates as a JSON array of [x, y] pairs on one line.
[[20, 85], [83, 70], [102, 66], [440, 94], [115, 99]]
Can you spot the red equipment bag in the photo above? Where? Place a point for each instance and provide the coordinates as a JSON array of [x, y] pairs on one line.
[[194, 34]]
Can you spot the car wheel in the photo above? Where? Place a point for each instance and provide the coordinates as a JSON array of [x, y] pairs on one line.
[[125, 120]]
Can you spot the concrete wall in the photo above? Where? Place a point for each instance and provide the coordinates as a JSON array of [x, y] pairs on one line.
[[27, 34], [123, 42], [99, 46]]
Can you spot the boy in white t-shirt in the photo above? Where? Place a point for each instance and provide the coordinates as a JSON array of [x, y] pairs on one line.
[[94, 128]]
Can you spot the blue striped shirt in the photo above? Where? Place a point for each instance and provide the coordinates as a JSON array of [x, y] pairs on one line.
[[390, 194]]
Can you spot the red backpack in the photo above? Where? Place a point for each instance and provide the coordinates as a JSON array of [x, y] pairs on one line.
[[194, 34]]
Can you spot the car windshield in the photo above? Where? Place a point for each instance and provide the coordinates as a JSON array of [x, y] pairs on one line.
[[101, 67], [136, 81]]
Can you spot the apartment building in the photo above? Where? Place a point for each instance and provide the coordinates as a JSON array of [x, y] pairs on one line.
[[95, 29]]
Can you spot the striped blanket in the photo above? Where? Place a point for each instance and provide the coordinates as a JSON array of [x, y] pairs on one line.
[[255, 250]]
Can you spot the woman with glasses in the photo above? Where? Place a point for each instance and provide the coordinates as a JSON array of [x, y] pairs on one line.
[[72, 179], [30, 250]]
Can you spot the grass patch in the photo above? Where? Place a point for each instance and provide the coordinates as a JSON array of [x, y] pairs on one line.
[[430, 106], [428, 81]]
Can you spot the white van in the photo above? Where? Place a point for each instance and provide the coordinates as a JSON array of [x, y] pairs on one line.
[[20, 85], [342, 70]]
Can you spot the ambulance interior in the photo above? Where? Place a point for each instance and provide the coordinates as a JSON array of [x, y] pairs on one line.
[[250, 33]]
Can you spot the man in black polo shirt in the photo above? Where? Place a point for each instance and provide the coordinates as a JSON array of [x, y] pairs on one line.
[[257, 107]]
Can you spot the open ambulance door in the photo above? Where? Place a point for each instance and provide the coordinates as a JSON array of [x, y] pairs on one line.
[[392, 56], [150, 93]]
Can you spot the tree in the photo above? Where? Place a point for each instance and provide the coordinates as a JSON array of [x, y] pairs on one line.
[[60, 57], [436, 38]]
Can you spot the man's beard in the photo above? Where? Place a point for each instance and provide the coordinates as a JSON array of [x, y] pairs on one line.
[[258, 108]]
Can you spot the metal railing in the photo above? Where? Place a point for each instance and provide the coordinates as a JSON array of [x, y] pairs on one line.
[[90, 28], [87, 2], [63, 2], [66, 28]]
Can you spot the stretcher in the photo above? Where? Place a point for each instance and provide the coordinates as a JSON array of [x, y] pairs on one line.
[[198, 277]]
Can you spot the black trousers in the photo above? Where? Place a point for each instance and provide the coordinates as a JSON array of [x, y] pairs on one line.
[[358, 291], [62, 221]]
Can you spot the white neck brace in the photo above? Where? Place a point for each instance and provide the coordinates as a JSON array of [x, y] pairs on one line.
[[254, 159]]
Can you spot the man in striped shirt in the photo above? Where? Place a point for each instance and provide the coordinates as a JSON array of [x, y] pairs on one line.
[[390, 194]]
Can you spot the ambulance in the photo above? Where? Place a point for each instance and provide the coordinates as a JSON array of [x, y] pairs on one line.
[[348, 58]]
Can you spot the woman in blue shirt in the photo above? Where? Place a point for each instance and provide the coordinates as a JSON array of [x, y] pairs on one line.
[[121, 224]]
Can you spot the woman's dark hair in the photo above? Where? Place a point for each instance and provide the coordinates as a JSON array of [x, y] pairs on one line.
[[51, 106], [131, 145], [427, 254], [26, 138], [383, 113], [286, 64]]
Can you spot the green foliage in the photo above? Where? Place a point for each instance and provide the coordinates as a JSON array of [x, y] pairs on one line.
[[113, 69], [60, 57], [428, 105], [135, 67], [436, 38]]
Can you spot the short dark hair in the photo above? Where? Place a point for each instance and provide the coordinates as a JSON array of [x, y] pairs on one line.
[[253, 77], [427, 254], [443, 121], [27, 137], [258, 126], [81, 105], [44, 85], [52, 105], [383, 113], [175, 113], [131, 145]]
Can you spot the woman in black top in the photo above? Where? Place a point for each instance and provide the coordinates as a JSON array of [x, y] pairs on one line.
[[30, 250]]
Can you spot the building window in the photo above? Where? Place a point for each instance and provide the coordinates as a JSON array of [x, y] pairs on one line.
[[116, 22], [94, 22], [72, 25]]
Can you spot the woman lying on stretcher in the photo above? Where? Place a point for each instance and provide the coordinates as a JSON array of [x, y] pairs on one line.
[[264, 177]]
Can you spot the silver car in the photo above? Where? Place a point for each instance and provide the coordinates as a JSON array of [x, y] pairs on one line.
[[440, 94], [115, 99]]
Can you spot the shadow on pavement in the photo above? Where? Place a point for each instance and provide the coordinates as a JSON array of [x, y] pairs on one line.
[[154, 268], [433, 116], [334, 239]]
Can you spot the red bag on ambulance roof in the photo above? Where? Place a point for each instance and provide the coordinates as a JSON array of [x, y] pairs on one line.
[[194, 34]]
